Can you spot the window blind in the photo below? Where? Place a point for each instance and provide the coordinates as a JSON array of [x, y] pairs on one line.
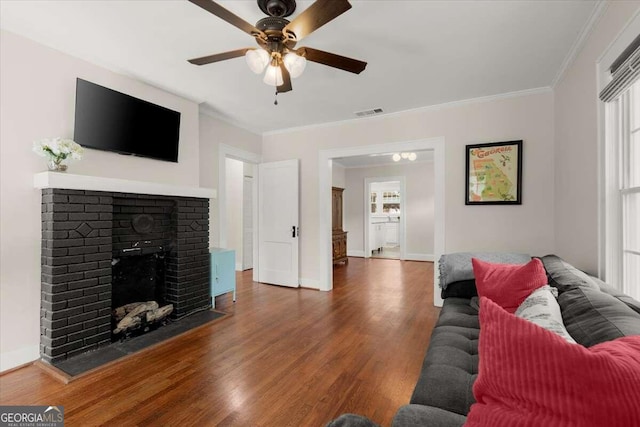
[[625, 71]]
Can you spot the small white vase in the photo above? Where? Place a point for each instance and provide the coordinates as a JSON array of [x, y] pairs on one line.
[[56, 165]]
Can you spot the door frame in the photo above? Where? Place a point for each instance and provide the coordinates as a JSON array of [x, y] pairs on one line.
[[325, 157], [224, 152], [402, 232]]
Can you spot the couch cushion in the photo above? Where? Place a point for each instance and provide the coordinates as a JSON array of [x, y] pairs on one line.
[[593, 317], [352, 420], [420, 415], [508, 284], [458, 312], [450, 365], [608, 289], [564, 276], [455, 347], [445, 387], [532, 377]]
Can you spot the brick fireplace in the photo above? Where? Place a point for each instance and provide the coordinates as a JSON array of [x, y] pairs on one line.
[[86, 233]]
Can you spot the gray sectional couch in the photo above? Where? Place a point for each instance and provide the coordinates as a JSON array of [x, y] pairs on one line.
[[593, 312]]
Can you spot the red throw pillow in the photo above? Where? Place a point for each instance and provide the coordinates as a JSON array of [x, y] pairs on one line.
[[529, 376], [508, 284]]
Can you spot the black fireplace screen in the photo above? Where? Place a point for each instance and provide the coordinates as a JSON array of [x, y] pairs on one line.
[[138, 278]]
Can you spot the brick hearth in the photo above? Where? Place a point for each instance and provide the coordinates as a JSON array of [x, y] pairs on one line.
[[82, 231]]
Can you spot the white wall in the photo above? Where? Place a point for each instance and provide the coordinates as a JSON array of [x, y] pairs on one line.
[[576, 150], [37, 100], [419, 199], [214, 132], [37, 87], [338, 175], [234, 182], [528, 227]]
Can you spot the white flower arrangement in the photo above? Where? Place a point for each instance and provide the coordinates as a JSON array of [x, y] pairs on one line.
[[58, 149]]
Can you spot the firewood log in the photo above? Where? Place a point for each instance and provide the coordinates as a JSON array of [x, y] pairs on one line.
[[133, 319], [159, 314], [122, 311]]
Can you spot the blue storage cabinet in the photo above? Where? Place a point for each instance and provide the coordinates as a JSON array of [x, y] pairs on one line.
[[223, 273]]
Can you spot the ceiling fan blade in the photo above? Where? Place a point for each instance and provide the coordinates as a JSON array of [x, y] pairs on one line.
[[224, 14], [219, 57], [315, 16], [333, 60], [286, 80]]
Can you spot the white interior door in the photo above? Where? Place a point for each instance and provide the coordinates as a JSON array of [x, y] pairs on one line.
[[278, 207]]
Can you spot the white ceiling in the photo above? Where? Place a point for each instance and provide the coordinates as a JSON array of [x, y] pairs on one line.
[[419, 53]]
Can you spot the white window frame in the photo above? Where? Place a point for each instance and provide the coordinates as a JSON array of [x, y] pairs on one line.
[[611, 241], [619, 134], [630, 275], [612, 178]]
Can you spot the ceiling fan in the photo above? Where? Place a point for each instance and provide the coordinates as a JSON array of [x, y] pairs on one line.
[[277, 38]]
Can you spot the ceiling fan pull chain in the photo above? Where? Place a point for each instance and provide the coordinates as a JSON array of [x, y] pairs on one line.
[[276, 101]]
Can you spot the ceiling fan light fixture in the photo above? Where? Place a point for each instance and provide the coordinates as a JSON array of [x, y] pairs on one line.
[[277, 36], [273, 76], [257, 59], [406, 156], [295, 64]]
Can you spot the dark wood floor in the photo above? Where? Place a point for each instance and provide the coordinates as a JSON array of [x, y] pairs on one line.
[[284, 357]]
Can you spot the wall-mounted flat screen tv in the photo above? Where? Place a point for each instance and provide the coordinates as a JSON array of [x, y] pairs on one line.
[[113, 121]]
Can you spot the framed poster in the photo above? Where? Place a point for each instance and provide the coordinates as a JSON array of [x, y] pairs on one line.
[[494, 174]]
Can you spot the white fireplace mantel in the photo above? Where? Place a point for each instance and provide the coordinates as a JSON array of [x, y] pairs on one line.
[[68, 181]]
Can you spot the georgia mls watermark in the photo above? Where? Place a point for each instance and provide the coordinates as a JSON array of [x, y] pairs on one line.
[[31, 416]]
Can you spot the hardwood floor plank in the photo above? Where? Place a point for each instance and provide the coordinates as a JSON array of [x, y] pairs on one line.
[[281, 357]]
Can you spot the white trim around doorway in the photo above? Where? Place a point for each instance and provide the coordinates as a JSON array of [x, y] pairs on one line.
[[324, 193]]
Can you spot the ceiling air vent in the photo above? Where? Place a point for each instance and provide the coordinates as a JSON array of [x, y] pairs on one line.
[[366, 113]]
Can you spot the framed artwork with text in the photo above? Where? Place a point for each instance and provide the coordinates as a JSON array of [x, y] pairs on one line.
[[494, 173]]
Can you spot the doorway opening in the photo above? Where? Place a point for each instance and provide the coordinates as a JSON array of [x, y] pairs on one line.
[[385, 213], [325, 168], [238, 205]]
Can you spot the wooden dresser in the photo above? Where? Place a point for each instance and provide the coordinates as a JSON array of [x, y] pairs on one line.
[[339, 235]]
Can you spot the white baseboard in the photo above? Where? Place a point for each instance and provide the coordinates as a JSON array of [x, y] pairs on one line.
[[12, 359], [420, 257], [409, 257], [310, 283]]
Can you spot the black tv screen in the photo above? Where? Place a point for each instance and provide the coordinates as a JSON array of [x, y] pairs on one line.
[[113, 121]]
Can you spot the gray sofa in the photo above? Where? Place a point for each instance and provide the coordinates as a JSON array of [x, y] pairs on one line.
[[593, 312]]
